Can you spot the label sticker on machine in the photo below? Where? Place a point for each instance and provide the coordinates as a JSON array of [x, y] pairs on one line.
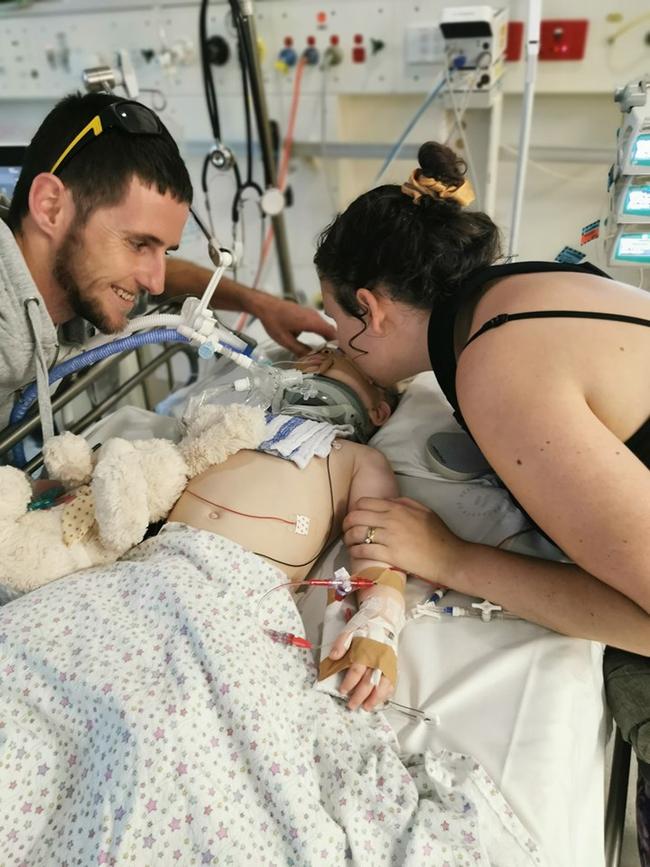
[[590, 232], [569, 256]]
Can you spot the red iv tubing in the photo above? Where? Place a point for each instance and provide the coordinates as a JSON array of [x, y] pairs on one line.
[[342, 587]]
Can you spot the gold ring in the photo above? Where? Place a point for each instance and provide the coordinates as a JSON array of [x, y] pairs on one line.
[[370, 536]]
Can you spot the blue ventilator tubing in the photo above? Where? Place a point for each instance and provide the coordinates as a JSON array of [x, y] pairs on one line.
[[85, 359]]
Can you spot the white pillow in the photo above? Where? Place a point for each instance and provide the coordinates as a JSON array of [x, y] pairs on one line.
[[423, 410], [479, 510]]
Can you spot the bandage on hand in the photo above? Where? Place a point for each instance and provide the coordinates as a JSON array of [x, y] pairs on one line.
[[371, 635], [380, 618]]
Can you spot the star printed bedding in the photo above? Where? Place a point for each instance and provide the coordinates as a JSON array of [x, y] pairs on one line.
[[147, 718]]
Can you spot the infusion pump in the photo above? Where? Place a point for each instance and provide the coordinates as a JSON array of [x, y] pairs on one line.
[[628, 237]]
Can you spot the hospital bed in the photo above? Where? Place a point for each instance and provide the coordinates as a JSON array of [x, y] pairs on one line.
[[120, 375], [525, 702]]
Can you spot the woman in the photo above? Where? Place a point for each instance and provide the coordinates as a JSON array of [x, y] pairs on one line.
[[558, 402]]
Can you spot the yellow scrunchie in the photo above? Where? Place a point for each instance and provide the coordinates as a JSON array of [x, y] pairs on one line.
[[419, 185]]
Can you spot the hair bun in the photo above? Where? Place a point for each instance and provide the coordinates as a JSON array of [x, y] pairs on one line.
[[440, 162]]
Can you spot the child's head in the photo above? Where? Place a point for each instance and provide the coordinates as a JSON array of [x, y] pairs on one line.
[[370, 405]]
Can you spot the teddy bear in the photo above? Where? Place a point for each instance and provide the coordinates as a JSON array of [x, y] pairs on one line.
[[110, 496]]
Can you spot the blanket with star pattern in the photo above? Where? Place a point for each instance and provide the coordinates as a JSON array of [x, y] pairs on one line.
[[147, 718]]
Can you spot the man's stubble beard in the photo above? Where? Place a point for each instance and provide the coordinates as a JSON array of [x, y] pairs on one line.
[[64, 272]]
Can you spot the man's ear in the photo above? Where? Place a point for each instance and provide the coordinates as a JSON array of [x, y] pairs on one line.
[[375, 306], [50, 204], [380, 413]]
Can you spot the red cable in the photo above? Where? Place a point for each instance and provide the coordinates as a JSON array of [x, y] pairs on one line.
[[291, 126], [283, 170], [243, 514]]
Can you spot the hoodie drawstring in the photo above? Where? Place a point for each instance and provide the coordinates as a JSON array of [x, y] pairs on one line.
[[42, 374]]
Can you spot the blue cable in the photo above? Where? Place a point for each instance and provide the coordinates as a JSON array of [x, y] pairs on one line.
[[416, 117], [85, 359]]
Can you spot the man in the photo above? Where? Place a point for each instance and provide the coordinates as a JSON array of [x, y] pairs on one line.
[[102, 198]]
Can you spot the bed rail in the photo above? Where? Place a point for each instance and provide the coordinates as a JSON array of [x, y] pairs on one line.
[[79, 383]]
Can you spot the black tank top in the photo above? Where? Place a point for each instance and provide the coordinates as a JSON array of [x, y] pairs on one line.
[[443, 318]]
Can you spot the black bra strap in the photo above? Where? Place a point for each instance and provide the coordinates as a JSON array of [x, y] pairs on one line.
[[502, 318]]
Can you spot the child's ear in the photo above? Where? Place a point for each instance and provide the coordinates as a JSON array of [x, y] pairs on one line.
[[380, 413]]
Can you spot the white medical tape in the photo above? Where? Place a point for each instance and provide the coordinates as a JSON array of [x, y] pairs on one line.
[[302, 525]]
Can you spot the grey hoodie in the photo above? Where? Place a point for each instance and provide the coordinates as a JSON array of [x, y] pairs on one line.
[[21, 331]]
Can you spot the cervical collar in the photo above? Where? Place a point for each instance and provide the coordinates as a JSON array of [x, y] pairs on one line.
[[328, 400]]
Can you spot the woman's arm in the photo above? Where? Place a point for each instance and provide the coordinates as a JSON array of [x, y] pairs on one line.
[[561, 597], [574, 477]]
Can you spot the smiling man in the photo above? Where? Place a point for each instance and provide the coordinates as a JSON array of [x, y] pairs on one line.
[[102, 197]]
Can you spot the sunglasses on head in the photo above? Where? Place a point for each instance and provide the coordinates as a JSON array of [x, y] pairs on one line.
[[129, 116]]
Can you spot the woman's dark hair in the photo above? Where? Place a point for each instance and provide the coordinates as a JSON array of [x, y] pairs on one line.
[[99, 175], [417, 252]]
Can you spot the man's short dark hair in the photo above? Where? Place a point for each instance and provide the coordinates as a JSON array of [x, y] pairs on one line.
[[100, 174]]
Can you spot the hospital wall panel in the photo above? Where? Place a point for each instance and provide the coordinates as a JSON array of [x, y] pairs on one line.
[[359, 105]]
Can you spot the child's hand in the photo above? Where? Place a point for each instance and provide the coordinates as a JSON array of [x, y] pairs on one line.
[[359, 684], [362, 661], [379, 619]]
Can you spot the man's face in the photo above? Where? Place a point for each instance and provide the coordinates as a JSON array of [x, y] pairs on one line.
[[118, 253]]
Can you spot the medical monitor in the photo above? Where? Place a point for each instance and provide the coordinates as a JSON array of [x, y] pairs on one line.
[[11, 161], [631, 247]]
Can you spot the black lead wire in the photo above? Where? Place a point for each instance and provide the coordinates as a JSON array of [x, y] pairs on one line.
[[208, 81]]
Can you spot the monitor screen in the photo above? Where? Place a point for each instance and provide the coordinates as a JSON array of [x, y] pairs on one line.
[[11, 160], [641, 150], [637, 200], [633, 247]]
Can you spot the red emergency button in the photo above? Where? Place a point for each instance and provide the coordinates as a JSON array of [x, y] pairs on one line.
[[358, 49]]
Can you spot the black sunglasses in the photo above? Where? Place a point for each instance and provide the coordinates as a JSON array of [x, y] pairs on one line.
[[129, 116]]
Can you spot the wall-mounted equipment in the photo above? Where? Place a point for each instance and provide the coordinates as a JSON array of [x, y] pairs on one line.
[[475, 42], [628, 224]]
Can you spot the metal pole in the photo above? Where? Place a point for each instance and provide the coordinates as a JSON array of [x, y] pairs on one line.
[[533, 25], [616, 801], [266, 144]]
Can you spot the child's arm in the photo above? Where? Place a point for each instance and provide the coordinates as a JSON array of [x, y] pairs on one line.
[[372, 473]]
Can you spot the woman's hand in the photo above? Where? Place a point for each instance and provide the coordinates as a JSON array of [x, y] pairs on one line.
[[406, 534]]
